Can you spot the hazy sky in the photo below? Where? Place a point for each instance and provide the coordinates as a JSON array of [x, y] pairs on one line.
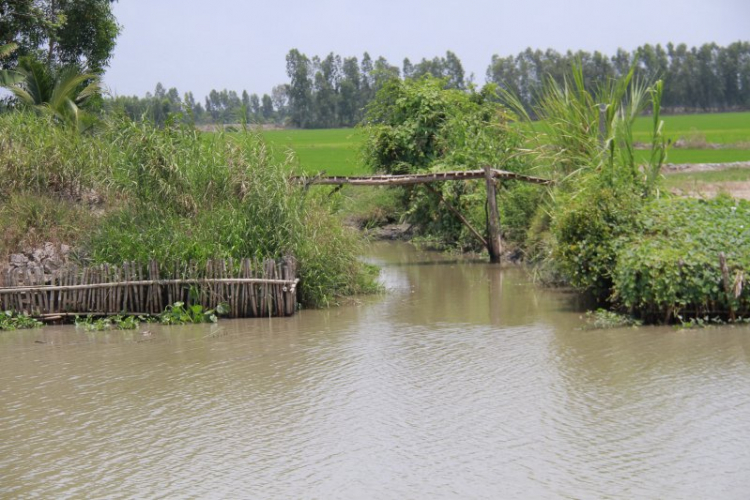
[[234, 44]]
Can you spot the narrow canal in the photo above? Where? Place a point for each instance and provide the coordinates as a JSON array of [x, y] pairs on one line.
[[463, 381]]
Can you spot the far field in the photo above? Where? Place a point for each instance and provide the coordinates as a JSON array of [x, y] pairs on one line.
[[337, 150]]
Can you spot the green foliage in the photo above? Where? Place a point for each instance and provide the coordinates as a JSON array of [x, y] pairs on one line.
[[420, 126], [59, 92], [520, 204], [670, 265], [118, 322], [10, 320], [602, 319], [587, 236], [584, 140], [179, 314], [61, 31]]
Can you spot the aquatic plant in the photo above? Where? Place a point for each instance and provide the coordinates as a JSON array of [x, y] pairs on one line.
[[179, 314], [12, 320]]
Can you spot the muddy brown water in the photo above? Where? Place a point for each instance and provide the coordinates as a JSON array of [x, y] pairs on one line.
[[464, 381]]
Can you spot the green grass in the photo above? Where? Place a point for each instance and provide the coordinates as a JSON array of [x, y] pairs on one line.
[[722, 128], [335, 151], [677, 156], [695, 179]]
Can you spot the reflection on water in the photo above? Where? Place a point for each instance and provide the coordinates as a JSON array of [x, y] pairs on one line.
[[463, 381]]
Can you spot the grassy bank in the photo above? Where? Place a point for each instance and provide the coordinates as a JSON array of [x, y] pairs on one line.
[[132, 192]]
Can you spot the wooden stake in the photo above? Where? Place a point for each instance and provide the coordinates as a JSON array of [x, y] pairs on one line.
[[494, 245]]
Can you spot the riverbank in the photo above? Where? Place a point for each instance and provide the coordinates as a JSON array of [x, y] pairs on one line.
[[131, 192]]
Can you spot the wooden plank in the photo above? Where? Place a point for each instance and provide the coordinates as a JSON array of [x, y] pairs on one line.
[[408, 179]]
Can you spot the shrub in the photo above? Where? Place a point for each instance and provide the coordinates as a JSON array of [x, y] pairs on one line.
[[670, 266], [587, 235], [420, 126]]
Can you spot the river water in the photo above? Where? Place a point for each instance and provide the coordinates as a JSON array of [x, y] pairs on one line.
[[463, 381]]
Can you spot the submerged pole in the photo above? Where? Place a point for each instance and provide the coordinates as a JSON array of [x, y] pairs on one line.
[[494, 244]]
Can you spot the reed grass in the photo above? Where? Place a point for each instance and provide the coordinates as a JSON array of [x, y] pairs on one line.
[[170, 194]]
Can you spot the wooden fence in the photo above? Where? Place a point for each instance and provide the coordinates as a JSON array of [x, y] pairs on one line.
[[249, 288]]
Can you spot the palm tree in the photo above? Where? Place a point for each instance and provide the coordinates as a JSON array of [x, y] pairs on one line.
[[8, 77], [58, 92]]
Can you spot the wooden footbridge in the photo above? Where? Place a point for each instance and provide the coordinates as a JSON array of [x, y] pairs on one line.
[[492, 241]]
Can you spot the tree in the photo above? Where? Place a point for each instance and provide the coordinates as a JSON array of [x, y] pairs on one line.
[[59, 92], [300, 88], [255, 106], [60, 32], [350, 108], [280, 99], [421, 126], [454, 71], [266, 107]]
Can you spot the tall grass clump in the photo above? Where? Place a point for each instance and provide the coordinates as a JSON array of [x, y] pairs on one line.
[[49, 181], [191, 200], [130, 191], [583, 139]]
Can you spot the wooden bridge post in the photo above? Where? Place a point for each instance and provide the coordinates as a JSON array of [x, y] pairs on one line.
[[494, 244]]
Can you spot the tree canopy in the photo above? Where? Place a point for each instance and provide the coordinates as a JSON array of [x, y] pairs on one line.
[[60, 32]]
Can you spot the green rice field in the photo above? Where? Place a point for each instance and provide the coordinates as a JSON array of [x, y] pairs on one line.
[[336, 151], [678, 156], [721, 128]]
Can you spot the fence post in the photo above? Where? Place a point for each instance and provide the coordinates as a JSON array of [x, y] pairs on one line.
[[494, 245]]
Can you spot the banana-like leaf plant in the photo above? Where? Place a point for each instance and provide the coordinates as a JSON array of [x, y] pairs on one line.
[[59, 92]]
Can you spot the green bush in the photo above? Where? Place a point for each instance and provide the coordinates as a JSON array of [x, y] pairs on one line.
[[669, 266], [519, 203], [420, 126], [587, 236]]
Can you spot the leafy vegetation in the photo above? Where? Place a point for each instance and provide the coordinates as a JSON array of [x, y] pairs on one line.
[[671, 265], [179, 314], [611, 232], [602, 319], [11, 320], [118, 322], [420, 126], [60, 32], [169, 195], [59, 92]]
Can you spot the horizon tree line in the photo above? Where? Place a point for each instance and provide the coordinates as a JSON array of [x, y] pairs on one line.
[[333, 91]]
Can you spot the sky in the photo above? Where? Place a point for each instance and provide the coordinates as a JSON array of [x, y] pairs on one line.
[[197, 46]]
